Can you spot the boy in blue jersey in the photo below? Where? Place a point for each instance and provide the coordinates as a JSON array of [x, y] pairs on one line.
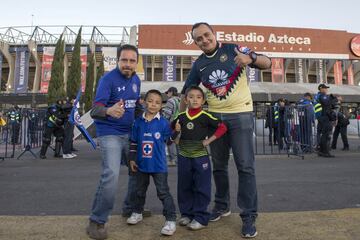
[[194, 168], [147, 156]]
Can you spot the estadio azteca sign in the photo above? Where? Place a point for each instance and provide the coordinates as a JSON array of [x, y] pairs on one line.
[[274, 41]]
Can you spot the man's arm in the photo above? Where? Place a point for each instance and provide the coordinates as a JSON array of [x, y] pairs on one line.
[[262, 62]]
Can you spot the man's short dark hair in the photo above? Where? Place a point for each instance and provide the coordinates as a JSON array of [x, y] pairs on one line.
[[193, 87], [127, 47], [153, 91], [196, 25]]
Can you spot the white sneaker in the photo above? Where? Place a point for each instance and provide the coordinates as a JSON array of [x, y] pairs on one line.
[[134, 218], [169, 228], [68, 156], [195, 225], [183, 221], [73, 154]]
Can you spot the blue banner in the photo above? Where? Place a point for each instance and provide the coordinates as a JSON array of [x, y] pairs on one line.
[[75, 119], [253, 74], [21, 70], [300, 71], [169, 68]]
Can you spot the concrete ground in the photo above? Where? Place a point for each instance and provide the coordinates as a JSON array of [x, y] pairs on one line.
[[311, 198]]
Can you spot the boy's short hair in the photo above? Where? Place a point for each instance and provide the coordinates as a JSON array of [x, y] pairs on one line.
[[153, 91], [193, 87]]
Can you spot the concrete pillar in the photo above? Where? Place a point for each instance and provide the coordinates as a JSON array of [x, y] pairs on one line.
[[329, 66], [33, 51], [181, 68], [4, 48], [133, 35], [152, 68], [286, 66]]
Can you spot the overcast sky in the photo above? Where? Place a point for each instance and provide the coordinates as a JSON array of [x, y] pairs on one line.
[[324, 14]]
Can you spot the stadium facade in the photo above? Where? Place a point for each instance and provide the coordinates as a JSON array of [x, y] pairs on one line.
[[301, 58]]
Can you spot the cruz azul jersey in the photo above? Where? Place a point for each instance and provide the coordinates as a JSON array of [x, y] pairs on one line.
[[226, 83], [113, 87], [151, 137]]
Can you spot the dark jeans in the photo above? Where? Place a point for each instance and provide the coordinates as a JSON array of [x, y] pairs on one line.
[[68, 137], [343, 131], [194, 188], [239, 138], [163, 193], [325, 133]]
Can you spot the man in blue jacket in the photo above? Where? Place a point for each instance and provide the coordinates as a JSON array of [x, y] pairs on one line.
[[113, 111]]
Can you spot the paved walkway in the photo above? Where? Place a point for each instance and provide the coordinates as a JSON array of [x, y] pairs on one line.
[[314, 225]]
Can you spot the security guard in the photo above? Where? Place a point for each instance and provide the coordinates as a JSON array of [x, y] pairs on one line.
[[54, 125], [326, 108], [14, 116]]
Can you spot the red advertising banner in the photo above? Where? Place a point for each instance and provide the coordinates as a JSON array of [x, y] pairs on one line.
[[277, 70], [350, 72], [83, 58], [48, 57], [338, 73]]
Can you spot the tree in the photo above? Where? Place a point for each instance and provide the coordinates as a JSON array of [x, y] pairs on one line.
[[56, 83], [89, 88], [74, 79], [99, 73]]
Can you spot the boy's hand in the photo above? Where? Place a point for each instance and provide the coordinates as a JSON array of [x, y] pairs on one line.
[[133, 166], [117, 110], [206, 142], [177, 126]]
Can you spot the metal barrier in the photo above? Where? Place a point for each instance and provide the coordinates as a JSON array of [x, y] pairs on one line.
[[284, 130], [22, 135]]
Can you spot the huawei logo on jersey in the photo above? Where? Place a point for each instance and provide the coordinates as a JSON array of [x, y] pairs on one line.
[[218, 77], [220, 84]]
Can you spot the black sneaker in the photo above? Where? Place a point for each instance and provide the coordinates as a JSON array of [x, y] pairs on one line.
[[326, 155], [96, 231], [249, 229], [217, 214]]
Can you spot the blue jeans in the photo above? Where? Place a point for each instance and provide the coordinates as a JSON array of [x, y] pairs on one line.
[[162, 190], [239, 138], [112, 148]]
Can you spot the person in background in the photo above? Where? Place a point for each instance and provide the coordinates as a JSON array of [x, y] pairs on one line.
[[341, 128], [170, 111]]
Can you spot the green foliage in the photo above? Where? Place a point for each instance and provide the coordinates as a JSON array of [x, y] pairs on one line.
[[56, 84], [74, 78]]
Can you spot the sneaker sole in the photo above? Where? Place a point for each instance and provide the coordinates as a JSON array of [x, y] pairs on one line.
[[133, 223], [167, 233], [222, 215], [248, 236]]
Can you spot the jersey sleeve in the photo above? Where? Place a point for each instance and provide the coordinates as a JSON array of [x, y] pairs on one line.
[[103, 92], [167, 130], [215, 123], [193, 78]]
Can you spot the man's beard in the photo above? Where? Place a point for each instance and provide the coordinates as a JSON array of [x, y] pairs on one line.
[[127, 72]]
